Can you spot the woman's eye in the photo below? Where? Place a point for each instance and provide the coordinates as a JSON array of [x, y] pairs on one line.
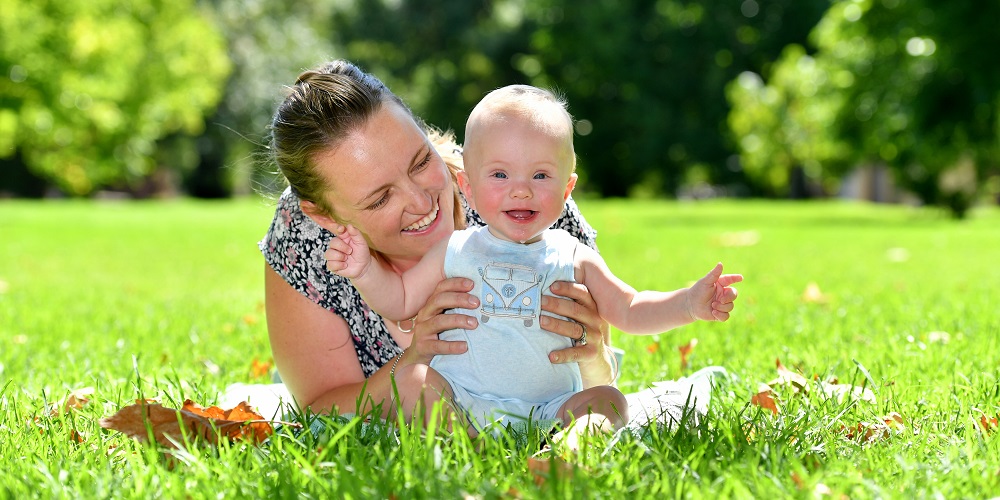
[[379, 202], [423, 163]]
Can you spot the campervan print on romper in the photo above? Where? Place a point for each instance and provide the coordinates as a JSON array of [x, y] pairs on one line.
[[510, 291]]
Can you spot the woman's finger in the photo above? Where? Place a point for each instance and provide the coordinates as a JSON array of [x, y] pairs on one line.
[[569, 329], [583, 311], [449, 294], [572, 354], [575, 291]]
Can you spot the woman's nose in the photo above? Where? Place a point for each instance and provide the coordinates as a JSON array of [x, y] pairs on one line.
[[419, 199]]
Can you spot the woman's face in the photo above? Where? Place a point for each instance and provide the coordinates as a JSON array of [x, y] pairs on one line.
[[387, 180]]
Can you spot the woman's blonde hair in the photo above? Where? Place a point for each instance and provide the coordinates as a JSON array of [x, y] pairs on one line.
[[323, 106]]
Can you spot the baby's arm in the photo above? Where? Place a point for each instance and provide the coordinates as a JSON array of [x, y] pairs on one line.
[[395, 297], [648, 312]]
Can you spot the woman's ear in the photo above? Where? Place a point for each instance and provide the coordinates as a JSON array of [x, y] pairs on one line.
[[463, 184], [569, 186], [319, 217]]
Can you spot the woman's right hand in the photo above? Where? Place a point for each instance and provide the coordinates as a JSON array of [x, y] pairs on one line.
[[451, 293]]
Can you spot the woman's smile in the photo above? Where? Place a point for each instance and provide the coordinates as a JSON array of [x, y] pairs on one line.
[[425, 222]]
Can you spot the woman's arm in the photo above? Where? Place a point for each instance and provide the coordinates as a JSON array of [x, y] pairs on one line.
[[312, 348], [313, 351], [579, 306], [393, 296]]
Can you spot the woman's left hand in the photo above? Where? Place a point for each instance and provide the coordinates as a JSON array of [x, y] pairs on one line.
[[579, 306]]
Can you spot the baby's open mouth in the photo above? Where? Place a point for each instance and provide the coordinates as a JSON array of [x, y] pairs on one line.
[[521, 214]]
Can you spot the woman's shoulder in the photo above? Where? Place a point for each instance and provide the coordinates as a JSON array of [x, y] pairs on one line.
[[573, 222], [294, 246]]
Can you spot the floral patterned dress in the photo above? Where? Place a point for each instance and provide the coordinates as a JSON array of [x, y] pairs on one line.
[[294, 248]]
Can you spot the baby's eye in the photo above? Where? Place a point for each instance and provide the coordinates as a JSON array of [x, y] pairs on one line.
[[499, 175], [541, 175]]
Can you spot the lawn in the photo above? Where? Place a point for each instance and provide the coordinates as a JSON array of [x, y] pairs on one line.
[[164, 300]]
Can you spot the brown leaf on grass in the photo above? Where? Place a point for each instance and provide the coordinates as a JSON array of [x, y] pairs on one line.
[[788, 377], [869, 432], [74, 401], [987, 424], [652, 348], [169, 425], [765, 399], [260, 369], [685, 351]]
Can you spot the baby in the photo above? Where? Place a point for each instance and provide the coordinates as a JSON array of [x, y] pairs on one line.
[[519, 172]]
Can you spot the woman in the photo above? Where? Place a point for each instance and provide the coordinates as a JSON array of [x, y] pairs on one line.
[[353, 153]]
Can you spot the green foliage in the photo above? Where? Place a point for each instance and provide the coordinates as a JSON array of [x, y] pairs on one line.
[[93, 84], [909, 84], [785, 124], [269, 44], [142, 299], [644, 79], [649, 76]]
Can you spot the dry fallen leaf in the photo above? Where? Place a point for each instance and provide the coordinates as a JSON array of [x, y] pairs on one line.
[[869, 432], [260, 369], [169, 425], [685, 351], [765, 399], [788, 377], [74, 401], [987, 424]]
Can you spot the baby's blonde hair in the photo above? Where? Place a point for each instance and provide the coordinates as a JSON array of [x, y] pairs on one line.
[[545, 110]]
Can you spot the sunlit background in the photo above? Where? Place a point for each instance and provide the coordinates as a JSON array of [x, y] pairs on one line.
[[883, 100]]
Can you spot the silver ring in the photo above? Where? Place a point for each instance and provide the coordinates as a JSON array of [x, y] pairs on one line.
[[413, 324], [583, 337]]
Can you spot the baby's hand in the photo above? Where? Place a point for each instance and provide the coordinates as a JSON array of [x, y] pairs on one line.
[[348, 253], [711, 298]]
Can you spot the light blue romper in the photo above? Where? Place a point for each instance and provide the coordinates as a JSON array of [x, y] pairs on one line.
[[506, 375]]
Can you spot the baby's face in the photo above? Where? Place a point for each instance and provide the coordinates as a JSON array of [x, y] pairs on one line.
[[519, 177]]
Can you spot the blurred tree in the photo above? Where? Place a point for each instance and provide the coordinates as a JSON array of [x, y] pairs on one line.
[[269, 44], [90, 85], [646, 79], [911, 84], [440, 56], [787, 144]]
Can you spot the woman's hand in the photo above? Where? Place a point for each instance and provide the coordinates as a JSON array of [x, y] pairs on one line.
[[579, 306], [451, 293]]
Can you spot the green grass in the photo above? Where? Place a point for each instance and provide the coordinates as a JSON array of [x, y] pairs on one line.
[[164, 299]]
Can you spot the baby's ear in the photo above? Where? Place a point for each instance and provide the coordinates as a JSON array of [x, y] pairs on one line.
[[463, 184], [319, 217], [569, 186]]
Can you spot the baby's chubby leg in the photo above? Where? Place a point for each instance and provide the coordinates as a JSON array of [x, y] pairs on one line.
[[600, 409], [420, 387]]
